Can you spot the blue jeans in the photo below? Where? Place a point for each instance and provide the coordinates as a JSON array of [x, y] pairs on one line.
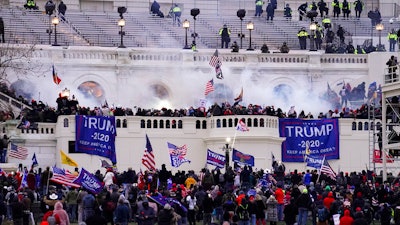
[[280, 211], [9, 212], [72, 212], [253, 219], [243, 222], [392, 44], [302, 218]]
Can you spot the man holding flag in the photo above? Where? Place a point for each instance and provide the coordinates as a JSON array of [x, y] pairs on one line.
[[216, 63], [327, 169]]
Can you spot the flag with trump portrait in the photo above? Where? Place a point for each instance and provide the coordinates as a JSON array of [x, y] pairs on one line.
[[177, 155], [241, 158]]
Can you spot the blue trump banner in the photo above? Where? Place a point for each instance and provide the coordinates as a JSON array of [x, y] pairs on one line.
[[314, 161], [320, 136], [177, 154], [89, 181], [95, 135], [215, 159], [242, 159]]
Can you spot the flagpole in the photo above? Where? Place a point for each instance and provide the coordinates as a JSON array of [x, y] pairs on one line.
[[48, 181], [319, 171], [234, 136]]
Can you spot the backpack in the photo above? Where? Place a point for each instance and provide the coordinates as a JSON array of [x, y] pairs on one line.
[[88, 201], [244, 215], [322, 214], [110, 206]]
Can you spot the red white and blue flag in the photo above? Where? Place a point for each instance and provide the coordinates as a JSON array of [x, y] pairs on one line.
[[148, 160], [64, 177], [177, 154], [18, 152], [215, 159], [56, 79], [89, 181], [241, 126], [216, 62], [209, 87], [327, 169]]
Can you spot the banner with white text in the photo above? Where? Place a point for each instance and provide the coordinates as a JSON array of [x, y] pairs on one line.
[[215, 159], [89, 181], [321, 137], [95, 135]]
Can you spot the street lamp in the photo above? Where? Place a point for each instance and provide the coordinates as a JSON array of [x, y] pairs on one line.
[[194, 12], [121, 24], [55, 21], [227, 149], [379, 27], [250, 27], [186, 25], [313, 28], [241, 13]]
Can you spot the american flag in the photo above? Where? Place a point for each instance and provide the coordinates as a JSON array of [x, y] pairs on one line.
[[241, 126], [18, 152], [178, 151], [327, 169], [209, 87], [148, 160], [64, 177], [214, 61]]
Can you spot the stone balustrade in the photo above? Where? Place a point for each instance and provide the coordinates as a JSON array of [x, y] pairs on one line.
[[258, 122], [98, 55]]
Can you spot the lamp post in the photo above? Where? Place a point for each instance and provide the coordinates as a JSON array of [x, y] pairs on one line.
[[379, 27], [227, 149], [49, 30], [241, 13], [55, 21], [186, 25], [121, 24], [194, 12], [250, 27], [313, 28]]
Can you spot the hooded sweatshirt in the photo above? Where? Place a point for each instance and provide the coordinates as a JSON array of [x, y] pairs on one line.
[[59, 210], [346, 219]]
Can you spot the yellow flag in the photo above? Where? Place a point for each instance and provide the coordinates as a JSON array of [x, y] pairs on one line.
[[67, 160]]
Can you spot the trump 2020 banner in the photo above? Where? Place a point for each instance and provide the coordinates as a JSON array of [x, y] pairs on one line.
[[95, 135], [241, 158], [320, 136], [89, 181], [215, 159]]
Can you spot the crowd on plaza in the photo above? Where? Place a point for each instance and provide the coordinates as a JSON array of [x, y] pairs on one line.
[[238, 195]]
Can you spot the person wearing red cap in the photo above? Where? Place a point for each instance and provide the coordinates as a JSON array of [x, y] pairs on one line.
[[327, 202], [358, 202], [346, 218]]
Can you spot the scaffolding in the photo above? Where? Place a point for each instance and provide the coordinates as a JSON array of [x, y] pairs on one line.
[[384, 134]]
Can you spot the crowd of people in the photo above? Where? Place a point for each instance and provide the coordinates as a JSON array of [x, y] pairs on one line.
[[41, 112], [239, 195]]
